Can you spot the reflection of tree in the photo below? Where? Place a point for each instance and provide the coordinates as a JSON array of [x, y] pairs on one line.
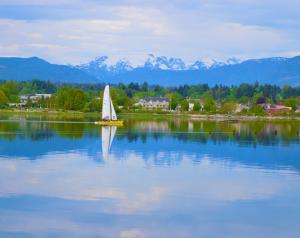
[[9, 130], [44, 131], [68, 130], [37, 131], [243, 133]]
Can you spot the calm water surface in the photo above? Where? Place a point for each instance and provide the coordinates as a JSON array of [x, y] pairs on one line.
[[151, 178]]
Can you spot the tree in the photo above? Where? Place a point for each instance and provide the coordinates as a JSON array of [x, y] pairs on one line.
[[176, 98], [244, 100], [261, 100], [185, 106], [71, 99], [291, 102], [11, 90], [197, 107], [145, 87], [228, 107], [257, 110], [3, 99], [209, 105], [93, 106]]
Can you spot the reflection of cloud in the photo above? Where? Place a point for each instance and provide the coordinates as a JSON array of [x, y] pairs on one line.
[[129, 185], [34, 224], [108, 198], [142, 201], [75, 179], [132, 233]]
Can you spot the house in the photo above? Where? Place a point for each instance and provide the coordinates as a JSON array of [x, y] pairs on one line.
[[265, 106], [25, 98], [241, 107], [278, 109], [192, 104], [154, 103]]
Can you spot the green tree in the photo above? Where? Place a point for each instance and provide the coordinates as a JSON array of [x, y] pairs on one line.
[[176, 99], [257, 110], [244, 100], [93, 106], [71, 99], [3, 99], [197, 107], [209, 105], [228, 107], [291, 102], [185, 106], [11, 90]]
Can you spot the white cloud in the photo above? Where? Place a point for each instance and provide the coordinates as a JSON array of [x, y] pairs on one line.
[[77, 32]]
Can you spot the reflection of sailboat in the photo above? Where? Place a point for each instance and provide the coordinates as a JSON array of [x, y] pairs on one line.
[[109, 116], [108, 133]]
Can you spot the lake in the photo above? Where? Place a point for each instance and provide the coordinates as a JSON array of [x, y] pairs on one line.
[[151, 178]]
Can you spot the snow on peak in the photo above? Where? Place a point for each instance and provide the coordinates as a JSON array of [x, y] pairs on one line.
[[121, 66], [101, 64], [198, 65], [163, 62]]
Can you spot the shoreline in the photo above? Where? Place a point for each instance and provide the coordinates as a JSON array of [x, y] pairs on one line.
[[154, 115]]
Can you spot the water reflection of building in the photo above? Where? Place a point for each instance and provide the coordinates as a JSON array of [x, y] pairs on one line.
[[152, 126]]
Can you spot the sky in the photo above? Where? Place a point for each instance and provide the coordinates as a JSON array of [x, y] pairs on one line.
[[77, 31]]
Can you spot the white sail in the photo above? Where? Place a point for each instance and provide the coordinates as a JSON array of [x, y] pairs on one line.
[[106, 107], [108, 133], [113, 112]]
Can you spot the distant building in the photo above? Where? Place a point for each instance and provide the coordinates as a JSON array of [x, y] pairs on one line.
[[241, 107], [276, 108], [192, 104], [154, 103], [25, 98]]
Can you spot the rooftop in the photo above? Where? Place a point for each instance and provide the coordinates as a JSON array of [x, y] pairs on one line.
[[156, 99]]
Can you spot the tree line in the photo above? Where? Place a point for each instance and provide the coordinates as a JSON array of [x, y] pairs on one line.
[[87, 97]]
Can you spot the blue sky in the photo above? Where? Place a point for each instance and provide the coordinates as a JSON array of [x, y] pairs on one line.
[[76, 31]]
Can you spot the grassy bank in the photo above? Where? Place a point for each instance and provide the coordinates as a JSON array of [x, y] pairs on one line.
[[90, 116]]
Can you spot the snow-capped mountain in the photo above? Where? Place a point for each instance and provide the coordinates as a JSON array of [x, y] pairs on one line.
[[100, 65], [165, 63], [174, 71], [122, 65], [100, 68], [199, 65], [157, 70]]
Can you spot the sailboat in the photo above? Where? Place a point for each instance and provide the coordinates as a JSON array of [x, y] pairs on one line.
[[108, 133], [109, 116]]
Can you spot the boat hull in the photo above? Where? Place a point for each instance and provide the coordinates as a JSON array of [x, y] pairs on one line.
[[110, 123]]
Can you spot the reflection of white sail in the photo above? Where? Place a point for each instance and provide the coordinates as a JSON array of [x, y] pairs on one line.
[[108, 133], [106, 112], [113, 130]]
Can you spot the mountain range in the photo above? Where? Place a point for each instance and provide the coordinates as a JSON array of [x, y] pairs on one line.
[[162, 70]]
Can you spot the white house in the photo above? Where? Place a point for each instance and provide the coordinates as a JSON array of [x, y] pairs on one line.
[[154, 103]]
